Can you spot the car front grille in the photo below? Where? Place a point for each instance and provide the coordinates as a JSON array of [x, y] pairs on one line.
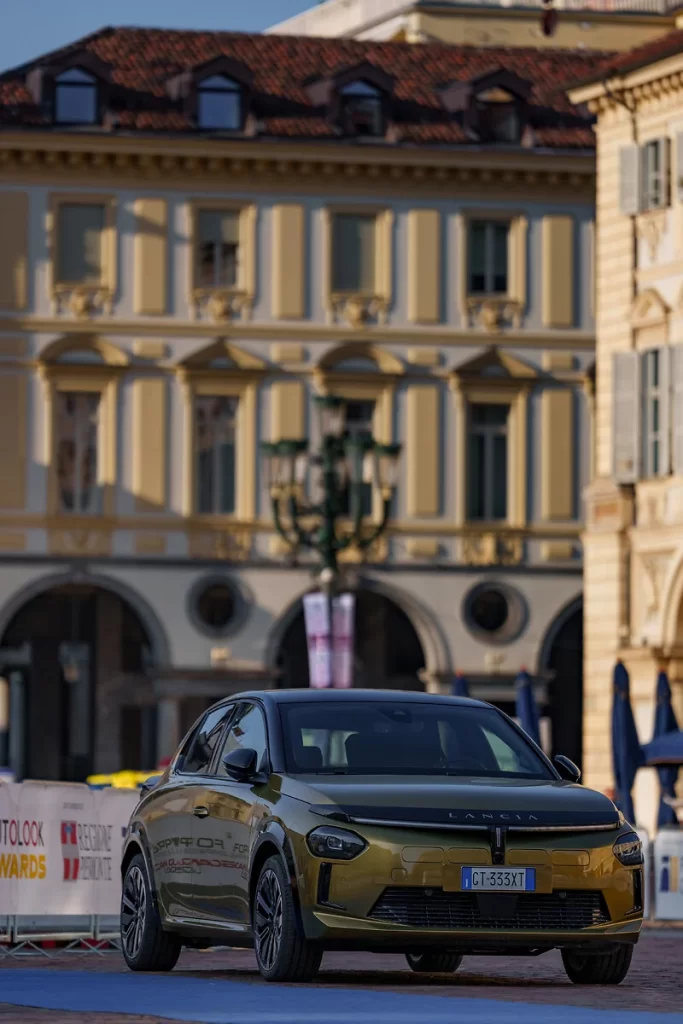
[[433, 908]]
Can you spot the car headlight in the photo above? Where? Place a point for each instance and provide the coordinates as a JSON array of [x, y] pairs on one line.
[[335, 843], [628, 850]]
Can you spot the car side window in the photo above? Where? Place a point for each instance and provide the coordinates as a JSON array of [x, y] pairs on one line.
[[248, 731], [202, 747]]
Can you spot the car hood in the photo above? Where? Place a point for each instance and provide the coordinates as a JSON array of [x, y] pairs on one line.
[[456, 802]]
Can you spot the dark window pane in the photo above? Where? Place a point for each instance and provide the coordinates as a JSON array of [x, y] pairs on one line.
[[477, 257], [359, 416], [500, 482], [476, 477], [227, 477], [75, 98], [500, 258], [489, 610], [204, 744], [76, 444], [353, 253], [216, 606], [219, 111], [248, 732], [215, 420]]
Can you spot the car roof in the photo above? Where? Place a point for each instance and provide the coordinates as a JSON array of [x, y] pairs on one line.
[[304, 695]]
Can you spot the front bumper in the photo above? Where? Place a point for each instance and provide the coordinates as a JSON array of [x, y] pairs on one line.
[[404, 891]]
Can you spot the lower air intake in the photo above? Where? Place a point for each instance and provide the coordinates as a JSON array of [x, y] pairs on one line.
[[433, 908]]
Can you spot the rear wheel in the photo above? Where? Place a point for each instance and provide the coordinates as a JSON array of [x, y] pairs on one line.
[[282, 953], [603, 969], [433, 963], [144, 943]]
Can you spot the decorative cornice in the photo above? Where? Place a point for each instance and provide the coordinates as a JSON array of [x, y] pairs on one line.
[[307, 333], [614, 94], [166, 159]]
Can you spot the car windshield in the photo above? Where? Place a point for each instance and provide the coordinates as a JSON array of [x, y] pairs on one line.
[[405, 738]]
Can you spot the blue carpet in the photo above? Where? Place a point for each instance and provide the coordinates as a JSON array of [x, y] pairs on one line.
[[214, 1001]]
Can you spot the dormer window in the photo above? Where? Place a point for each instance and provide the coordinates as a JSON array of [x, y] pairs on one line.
[[219, 104], [75, 97], [362, 109], [498, 117]]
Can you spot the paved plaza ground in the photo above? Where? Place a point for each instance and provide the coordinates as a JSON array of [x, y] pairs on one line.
[[223, 985]]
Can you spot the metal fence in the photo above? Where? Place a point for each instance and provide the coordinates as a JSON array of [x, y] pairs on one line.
[[27, 936]]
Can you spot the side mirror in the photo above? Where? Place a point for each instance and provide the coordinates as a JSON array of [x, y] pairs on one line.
[[240, 764], [150, 783], [567, 768]]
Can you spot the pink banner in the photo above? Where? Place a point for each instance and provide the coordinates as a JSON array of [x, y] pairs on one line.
[[330, 658], [344, 608], [316, 617]]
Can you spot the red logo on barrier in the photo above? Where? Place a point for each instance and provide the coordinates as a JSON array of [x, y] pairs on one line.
[[70, 855]]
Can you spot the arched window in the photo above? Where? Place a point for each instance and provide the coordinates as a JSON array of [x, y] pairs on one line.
[[363, 109], [75, 97], [219, 104]]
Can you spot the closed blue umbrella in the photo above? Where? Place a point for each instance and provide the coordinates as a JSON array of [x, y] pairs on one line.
[[527, 709], [666, 749], [665, 722], [461, 688], [627, 756]]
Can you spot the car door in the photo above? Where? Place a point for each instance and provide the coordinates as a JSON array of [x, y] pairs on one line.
[[169, 816], [225, 815]]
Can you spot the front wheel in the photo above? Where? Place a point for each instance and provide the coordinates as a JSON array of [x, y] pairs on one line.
[[433, 963], [602, 969], [282, 953], [144, 943]]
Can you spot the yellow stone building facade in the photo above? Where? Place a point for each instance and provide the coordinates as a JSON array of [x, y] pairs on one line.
[[633, 544], [186, 261]]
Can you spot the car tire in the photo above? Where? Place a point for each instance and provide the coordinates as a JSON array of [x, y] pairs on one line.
[[144, 943], [282, 952], [603, 969], [433, 963]]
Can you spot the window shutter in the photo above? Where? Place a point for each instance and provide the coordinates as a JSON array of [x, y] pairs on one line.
[[626, 417], [679, 165], [629, 179], [676, 367], [665, 411], [664, 168]]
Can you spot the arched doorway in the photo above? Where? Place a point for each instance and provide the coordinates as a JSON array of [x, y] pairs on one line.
[[76, 657], [563, 661], [388, 651]]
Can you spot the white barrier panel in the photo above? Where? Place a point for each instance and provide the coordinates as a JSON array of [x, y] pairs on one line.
[[647, 871], [114, 808], [9, 852], [55, 816], [669, 875]]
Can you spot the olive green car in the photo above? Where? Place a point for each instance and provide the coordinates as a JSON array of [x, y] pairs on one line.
[[302, 821]]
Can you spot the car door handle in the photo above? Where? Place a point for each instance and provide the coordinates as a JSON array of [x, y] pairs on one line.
[[201, 812]]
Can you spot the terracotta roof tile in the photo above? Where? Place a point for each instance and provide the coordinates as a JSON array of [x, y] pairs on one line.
[[142, 61], [656, 49]]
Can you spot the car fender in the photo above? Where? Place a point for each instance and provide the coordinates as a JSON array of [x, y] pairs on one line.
[[273, 833], [138, 837]]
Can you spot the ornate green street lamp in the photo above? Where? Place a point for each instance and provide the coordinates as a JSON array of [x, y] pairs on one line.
[[341, 466]]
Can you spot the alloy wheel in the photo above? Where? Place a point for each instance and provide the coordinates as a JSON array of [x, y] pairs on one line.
[[133, 912], [268, 919]]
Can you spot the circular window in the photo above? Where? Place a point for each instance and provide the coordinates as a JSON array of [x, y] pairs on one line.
[[489, 610], [217, 606], [495, 612]]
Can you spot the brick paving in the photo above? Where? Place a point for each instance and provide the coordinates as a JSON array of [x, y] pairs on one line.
[[654, 983]]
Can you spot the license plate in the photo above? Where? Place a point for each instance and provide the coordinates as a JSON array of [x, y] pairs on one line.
[[498, 880]]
